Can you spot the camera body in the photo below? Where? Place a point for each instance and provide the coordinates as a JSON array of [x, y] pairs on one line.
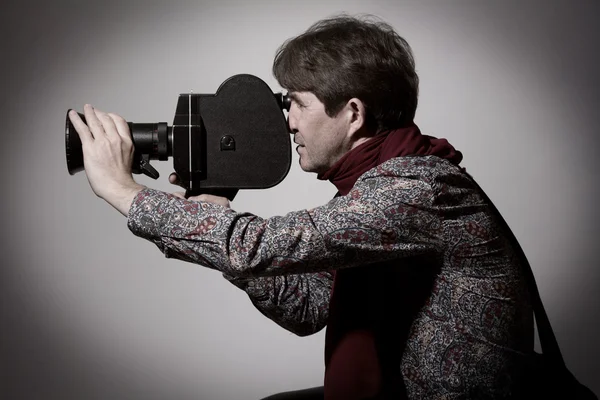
[[237, 138]]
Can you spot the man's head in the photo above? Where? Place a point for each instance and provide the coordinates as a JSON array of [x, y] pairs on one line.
[[348, 78]]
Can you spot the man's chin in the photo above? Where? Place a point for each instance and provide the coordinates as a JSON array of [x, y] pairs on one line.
[[305, 167], [310, 168]]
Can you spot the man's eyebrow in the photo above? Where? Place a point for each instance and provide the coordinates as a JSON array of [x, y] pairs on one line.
[[294, 97]]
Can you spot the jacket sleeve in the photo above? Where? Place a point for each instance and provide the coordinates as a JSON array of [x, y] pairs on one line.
[[298, 303], [383, 217]]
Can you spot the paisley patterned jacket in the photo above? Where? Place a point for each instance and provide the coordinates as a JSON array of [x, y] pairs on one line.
[[444, 274]]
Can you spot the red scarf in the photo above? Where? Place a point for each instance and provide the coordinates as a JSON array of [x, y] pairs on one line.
[[350, 344], [383, 147]]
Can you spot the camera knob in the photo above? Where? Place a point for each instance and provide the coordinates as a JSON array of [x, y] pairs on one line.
[[148, 169]]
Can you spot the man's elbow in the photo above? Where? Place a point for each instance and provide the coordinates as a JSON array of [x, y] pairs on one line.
[[305, 329]]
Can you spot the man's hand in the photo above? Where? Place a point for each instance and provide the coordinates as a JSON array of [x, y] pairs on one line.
[[107, 156], [223, 201]]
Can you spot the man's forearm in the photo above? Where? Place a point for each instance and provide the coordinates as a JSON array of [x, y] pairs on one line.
[[298, 303]]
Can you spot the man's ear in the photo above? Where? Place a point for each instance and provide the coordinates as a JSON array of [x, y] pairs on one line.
[[357, 117]]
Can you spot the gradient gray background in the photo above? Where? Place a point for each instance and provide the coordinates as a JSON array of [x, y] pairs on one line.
[[89, 311]]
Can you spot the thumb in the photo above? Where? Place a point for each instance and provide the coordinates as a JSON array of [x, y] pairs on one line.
[[174, 179]]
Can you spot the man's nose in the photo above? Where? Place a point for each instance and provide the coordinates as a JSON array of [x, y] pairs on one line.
[[289, 127], [291, 120]]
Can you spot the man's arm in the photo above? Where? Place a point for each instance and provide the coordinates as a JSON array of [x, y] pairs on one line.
[[384, 217], [298, 303]]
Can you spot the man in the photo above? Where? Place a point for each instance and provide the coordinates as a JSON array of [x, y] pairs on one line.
[[422, 295]]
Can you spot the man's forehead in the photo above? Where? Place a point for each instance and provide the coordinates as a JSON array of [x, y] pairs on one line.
[[304, 95]]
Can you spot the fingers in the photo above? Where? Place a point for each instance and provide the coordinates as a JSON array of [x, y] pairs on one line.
[[93, 123], [209, 198], [100, 124], [121, 125], [107, 124], [82, 129]]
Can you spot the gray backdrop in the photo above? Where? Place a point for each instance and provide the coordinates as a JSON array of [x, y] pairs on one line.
[[90, 311]]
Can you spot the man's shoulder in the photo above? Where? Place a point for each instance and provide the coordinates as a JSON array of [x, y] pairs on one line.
[[426, 181], [425, 168]]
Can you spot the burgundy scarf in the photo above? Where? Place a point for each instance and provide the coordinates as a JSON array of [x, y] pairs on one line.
[[350, 352], [383, 147]]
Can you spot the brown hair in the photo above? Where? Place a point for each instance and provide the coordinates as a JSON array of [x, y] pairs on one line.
[[343, 57]]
